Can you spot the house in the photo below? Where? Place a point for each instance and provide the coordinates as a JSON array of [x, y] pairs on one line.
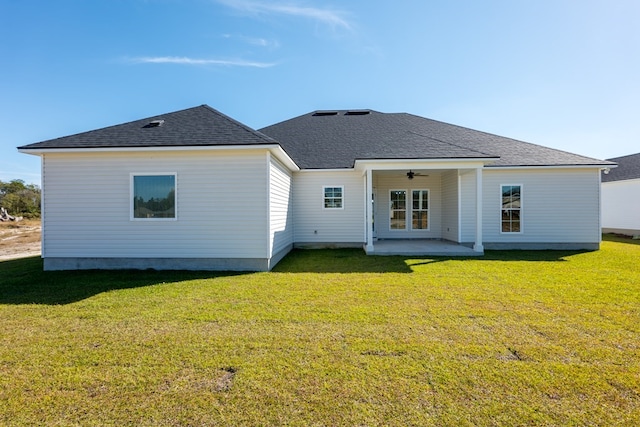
[[621, 196], [195, 189]]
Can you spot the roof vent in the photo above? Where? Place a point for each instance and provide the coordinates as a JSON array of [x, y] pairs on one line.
[[357, 113], [154, 124], [325, 113]]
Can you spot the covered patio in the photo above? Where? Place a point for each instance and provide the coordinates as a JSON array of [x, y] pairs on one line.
[[423, 206]]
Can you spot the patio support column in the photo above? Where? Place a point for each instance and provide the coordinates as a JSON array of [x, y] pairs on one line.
[[368, 210], [477, 246]]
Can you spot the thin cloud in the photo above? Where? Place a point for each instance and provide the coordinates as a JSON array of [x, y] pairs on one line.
[[183, 60], [329, 17], [255, 41], [273, 44]]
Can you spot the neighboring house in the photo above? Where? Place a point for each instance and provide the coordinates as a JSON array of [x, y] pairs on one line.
[[621, 196], [195, 189]]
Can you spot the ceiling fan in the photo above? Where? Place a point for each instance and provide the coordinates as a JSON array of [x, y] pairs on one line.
[[412, 174]]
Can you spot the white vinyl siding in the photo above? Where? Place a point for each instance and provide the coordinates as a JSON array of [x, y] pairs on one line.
[[559, 205], [280, 204], [621, 205], [221, 197], [450, 205], [467, 206], [313, 223]]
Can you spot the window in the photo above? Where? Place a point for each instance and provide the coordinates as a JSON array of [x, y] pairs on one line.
[[511, 209], [420, 210], [398, 210], [333, 197], [153, 196]]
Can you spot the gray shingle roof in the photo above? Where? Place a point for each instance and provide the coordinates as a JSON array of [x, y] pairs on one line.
[[323, 140], [327, 140], [628, 168], [197, 126]]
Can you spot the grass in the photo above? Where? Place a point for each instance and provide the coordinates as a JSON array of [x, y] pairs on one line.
[[329, 338]]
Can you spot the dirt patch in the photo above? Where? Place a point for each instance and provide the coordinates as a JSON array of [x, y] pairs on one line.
[[19, 239]]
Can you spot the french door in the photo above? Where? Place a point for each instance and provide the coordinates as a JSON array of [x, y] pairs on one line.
[[413, 205]]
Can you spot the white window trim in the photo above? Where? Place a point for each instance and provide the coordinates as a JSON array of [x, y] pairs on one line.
[[131, 194], [509, 233], [428, 210], [324, 187], [406, 211], [409, 211]]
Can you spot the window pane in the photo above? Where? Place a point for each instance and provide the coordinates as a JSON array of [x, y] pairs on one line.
[[398, 220], [397, 211], [154, 196], [333, 197], [419, 221], [511, 208]]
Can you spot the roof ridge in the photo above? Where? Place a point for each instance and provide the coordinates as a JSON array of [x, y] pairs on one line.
[[242, 125]]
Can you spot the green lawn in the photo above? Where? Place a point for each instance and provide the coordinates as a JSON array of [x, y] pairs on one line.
[[329, 338]]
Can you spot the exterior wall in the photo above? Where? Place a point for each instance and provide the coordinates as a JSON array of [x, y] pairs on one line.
[[450, 205], [560, 209], [621, 206], [280, 210], [384, 183], [221, 206], [316, 226]]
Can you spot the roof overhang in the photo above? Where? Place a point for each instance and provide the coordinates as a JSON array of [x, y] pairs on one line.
[[574, 166], [275, 149], [395, 164]]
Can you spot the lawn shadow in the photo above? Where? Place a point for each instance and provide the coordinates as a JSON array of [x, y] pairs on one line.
[[23, 281], [356, 261], [339, 261], [620, 238]]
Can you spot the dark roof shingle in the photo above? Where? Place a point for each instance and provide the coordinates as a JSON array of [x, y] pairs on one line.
[[327, 141], [197, 126], [628, 168], [323, 140]]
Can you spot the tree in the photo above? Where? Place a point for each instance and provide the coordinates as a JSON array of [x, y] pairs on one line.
[[21, 199]]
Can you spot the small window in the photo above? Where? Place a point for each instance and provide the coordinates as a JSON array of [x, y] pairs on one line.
[[511, 212], [333, 197], [153, 196]]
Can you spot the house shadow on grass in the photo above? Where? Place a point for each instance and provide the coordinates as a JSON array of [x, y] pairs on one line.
[[23, 281], [356, 261]]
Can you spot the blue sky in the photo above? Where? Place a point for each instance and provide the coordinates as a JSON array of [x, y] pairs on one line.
[[560, 73]]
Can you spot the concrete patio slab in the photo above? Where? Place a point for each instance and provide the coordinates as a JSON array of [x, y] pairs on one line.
[[421, 247]]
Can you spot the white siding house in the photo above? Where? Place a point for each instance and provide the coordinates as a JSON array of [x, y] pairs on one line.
[[195, 189], [621, 196]]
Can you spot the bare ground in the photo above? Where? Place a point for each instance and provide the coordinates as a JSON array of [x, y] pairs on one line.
[[19, 239]]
